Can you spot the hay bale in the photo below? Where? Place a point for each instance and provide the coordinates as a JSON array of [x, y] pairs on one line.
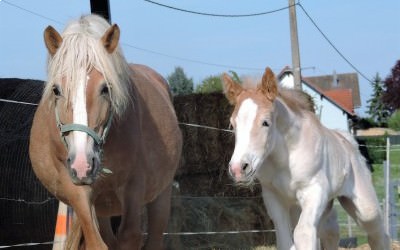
[[207, 199], [27, 210]]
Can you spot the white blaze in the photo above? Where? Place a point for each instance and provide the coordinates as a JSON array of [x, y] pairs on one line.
[[80, 117], [244, 123]]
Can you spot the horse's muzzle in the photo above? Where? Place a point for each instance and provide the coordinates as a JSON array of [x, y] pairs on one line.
[[83, 169]]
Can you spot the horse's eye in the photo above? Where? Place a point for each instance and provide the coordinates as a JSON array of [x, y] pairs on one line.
[[56, 90], [104, 90], [265, 123]]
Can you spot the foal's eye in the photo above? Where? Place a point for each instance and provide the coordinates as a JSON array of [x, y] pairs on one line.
[[265, 123], [56, 90], [104, 90]]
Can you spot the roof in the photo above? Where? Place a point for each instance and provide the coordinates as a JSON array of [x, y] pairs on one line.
[[338, 81], [339, 96], [342, 97]]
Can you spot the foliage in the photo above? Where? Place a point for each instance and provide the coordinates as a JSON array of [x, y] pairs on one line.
[[375, 146], [210, 84], [180, 84], [235, 76], [214, 83], [364, 123], [391, 95], [378, 111], [394, 121]]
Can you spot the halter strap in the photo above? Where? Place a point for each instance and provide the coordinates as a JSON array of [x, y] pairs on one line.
[[65, 128]]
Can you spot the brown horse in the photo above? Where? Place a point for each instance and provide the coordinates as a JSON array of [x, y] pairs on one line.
[[105, 138]]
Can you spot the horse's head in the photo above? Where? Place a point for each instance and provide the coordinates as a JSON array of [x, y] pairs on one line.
[[253, 120], [81, 92]]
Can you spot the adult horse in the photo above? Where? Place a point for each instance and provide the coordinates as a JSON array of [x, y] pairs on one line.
[[105, 138], [299, 163]]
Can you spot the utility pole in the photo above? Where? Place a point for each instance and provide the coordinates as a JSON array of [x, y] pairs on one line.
[[101, 8], [295, 45]]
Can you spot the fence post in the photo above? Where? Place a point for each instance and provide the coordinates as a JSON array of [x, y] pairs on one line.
[[393, 210], [386, 173]]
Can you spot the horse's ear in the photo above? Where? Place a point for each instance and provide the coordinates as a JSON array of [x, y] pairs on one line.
[[110, 39], [52, 40], [268, 86], [231, 88]]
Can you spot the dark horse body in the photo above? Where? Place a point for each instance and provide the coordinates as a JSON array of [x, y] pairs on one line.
[[142, 152]]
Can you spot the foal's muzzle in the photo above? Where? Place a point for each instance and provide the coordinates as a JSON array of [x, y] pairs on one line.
[[241, 171]]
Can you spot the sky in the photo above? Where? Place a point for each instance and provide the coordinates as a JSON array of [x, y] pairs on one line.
[[365, 32]]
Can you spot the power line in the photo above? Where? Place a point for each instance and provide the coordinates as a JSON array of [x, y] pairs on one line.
[[31, 12], [143, 49], [192, 60], [218, 15], [333, 46]]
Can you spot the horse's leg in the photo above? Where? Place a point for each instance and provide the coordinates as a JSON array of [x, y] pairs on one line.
[[280, 215], [129, 235], [87, 220], [158, 213], [363, 206], [328, 229], [312, 200], [106, 232]]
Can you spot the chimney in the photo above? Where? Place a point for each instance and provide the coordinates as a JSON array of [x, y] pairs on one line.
[[335, 81]]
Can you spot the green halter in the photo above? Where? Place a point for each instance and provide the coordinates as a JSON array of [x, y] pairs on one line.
[[99, 140]]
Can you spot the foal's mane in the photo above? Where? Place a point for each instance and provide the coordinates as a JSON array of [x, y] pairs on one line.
[[296, 100], [81, 50]]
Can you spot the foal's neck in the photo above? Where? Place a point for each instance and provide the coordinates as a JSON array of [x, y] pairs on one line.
[[288, 122]]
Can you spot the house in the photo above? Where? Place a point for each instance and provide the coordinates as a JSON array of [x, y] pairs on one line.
[[335, 97]]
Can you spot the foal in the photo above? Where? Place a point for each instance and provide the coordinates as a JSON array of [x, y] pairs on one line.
[[299, 163]]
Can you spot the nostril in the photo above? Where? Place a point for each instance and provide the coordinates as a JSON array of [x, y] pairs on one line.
[[244, 166], [74, 173], [69, 161]]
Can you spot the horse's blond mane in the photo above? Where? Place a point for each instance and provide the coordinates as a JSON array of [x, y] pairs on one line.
[[81, 51]]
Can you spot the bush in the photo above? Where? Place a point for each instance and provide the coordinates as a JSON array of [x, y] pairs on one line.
[[394, 121], [376, 148]]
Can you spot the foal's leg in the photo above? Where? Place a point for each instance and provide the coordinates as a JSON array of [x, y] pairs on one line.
[[313, 201], [158, 214], [328, 229], [279, 213], [363, 206]]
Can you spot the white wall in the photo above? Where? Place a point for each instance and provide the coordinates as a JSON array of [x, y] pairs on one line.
[[331, 116]]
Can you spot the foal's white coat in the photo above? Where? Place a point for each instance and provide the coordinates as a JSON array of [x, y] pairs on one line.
[[302, 167]]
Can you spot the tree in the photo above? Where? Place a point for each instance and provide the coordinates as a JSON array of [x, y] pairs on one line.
[[214, 83], [210, 84], [180, 84], [391, 95], [377, 110]]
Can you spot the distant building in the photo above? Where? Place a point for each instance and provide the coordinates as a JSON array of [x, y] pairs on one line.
[[335, 97]]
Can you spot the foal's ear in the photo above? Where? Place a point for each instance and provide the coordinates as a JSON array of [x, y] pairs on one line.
[[231, 88], [110, 39], [52, 39], [268, 86]]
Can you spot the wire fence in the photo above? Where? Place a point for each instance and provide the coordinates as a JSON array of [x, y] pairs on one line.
[[208, 232]]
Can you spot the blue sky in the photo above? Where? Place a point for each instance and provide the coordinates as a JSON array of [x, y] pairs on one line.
[[365, 32]]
